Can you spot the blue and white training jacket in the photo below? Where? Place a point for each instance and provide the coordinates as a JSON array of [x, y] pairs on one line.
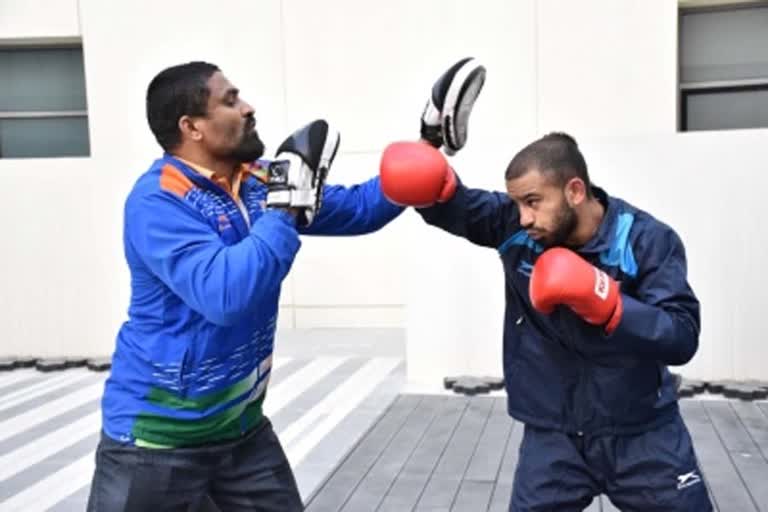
[[192, 361]]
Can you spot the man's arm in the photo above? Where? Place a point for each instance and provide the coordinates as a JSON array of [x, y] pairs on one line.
[[223, 283], [416, 174], [353, 210], [661, 320], [482, 217]]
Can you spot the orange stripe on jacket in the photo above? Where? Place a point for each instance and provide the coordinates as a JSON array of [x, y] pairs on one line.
[[257, 170], [173, 180]]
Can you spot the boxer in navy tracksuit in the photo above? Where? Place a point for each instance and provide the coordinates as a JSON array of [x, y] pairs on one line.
[[597, 306]]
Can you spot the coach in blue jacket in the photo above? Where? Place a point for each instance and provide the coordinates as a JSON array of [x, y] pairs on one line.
[[210, 233], [597, 306]]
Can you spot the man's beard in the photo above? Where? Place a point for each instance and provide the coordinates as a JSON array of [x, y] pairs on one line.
[[250, 148], [565, 225]]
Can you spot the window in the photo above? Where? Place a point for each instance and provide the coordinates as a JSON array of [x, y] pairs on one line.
[[724, 67], [43, 110]]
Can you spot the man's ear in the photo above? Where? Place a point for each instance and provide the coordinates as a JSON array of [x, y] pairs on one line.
[[188, 128], [575, 192]]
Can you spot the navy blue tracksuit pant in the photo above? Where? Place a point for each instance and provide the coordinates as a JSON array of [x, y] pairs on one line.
[[653, 471]]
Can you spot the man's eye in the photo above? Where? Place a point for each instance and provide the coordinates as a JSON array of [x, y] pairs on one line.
[[532, 203]]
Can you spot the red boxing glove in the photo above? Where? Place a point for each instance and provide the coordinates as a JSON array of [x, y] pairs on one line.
[[561, 276], [416, 174]]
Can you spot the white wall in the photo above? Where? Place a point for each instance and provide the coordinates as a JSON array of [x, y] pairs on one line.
[[38, 19], [604, 70], [710, 187], [606, 66]]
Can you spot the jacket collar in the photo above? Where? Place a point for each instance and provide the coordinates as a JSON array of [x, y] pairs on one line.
[[602, 239]]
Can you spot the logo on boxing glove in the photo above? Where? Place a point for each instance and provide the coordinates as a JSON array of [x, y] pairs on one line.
[[602, 284]]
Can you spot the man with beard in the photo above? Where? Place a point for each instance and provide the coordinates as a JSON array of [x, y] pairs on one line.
[[597, 306], [210, 232]]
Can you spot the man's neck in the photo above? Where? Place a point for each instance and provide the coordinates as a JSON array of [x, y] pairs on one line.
[[217, 166], [590, 218]]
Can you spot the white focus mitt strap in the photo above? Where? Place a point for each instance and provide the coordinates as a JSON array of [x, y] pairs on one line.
[[297, 177]]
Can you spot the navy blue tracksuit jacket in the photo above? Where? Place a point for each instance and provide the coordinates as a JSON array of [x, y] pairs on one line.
[[564, 375]]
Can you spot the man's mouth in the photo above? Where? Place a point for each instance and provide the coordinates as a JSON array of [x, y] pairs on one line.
[[535, 234]]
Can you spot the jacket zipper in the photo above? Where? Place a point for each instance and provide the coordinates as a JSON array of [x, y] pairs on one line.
[[580, 391], [239, 204]]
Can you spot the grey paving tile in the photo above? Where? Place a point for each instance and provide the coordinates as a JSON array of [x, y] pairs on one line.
[[755, 422], [286, 370], [297, 407], [486, 461], [440, 492], [511, 454], [744, 453], [334, 447], [428, 453], [473, 496], [723, 479], [78, 501], [342, 482], [456, 458], [57, 391], [732, 433], [17, 382], [30, 435], [412, 480], [380, 478], [500, 497], [403, 494], [37, 472], [444, 483]]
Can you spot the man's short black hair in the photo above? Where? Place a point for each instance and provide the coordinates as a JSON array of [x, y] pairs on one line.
[[177, 91], [556, 154]]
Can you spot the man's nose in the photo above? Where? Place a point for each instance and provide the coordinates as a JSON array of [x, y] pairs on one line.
[[526, 218], [247, 110]]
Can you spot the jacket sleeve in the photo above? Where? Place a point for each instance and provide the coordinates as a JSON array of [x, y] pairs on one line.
[[661, 320], [354, 210], [482, 217], [223, 283]]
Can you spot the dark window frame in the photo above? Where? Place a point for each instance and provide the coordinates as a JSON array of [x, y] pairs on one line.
[[687, 89], [68, 44]]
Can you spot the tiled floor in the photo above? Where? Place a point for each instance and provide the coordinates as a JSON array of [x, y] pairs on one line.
[[456, 454], [328, 389]]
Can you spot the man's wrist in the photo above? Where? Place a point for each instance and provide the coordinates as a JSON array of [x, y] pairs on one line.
[[293, 212]]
